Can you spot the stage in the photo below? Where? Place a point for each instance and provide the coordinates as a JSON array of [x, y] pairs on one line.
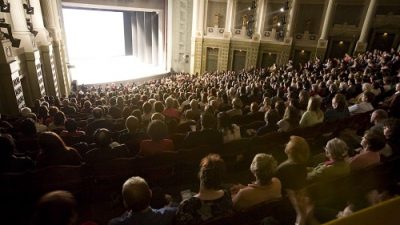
[[115, 69]]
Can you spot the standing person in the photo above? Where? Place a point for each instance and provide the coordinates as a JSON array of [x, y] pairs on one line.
[[211, 201], [137, 195]]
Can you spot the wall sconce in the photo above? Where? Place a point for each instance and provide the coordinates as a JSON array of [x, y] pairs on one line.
[[4, 6], [385, 34], [29, 9], [340, 42], [15, 42]]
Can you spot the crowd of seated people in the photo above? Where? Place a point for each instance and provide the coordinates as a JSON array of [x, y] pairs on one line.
[[96, 124]]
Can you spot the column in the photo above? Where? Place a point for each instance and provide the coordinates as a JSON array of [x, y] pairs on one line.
[[200, 19], [20, 28], [291, 21], [361, 45], [51, 19], [37, 21], [327, 20], [229, 19], [28, 54], [323, 39], [195, 17], [261, 15], [46, 50]]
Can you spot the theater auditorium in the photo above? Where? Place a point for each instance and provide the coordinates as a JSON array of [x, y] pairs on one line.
[[199, 112]]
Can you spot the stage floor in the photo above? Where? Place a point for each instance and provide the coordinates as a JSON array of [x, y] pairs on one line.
[[107, 70]]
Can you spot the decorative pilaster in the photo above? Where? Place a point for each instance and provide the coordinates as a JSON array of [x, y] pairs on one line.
[[290, 21], [323, 40], [12, 97], [361, 45], [42, 38], [52, 22]]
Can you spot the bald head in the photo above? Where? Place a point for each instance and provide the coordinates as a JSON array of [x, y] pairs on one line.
[[136, 194]]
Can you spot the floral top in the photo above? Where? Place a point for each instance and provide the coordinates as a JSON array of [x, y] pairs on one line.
[[195, 211]]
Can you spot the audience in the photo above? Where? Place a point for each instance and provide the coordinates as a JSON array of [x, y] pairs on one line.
[[220, 104]]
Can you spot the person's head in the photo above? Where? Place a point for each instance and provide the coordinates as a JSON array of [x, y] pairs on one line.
[[57, 207], [97, 112], [378, 116], [132, 124], [102, 137], [336, 149], [368, 97], [136, 194], [391, 129], [157, 116], [157, 130], [146, 108], [271, 117], [50, 142], [314, 104], [297, 150], [28, 127], [25, 111], [43, 112], [237, 103], [212, 169], [254, 107], [169, 103], [373, 141], [87, 104], [194, 104], [158, 107], [7, 146], [339, 102], [208, 121], [71, 125], [59, 119], [263, 168]]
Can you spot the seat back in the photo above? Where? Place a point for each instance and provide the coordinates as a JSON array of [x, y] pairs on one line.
[[58, 178]]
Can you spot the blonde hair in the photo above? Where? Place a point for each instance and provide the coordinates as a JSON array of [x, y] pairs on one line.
[[298, 149]]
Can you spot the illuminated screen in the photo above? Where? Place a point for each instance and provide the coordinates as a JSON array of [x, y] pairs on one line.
[[96, 48]]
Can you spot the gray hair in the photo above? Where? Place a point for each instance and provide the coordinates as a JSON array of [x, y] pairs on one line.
[[263, 167], [337, 149]]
